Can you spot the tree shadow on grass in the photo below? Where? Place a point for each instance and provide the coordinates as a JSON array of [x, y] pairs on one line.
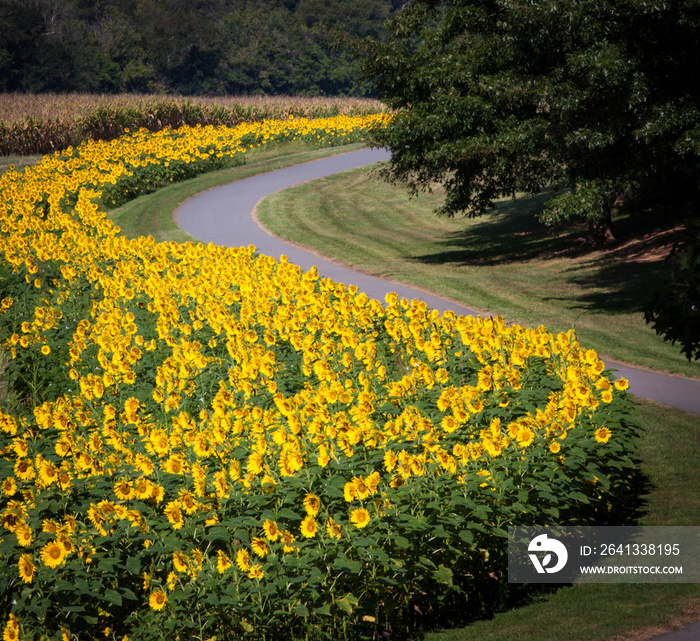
[[613, 286], [510, 233], [618, 278]]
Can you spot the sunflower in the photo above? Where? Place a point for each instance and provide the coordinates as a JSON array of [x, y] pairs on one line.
[[243, 560], [223, 563], [157, 600], [172, 581], [180, 562], [259, 546], [24, 534], [333, 529], [53, 554], [189, 503], [174, 514], [602, 435], [288, 539], [255, 572], [11, 632], [124, 490], [312, 504], [176, 465], [48, 472], [309, 527], [143, 488], [24, 470], [272, 531], [26, 568], [360, 517], [9, 486]]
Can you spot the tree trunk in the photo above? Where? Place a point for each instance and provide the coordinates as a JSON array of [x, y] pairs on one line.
[[600, 229]]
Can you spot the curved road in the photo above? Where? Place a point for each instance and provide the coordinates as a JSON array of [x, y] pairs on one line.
[[223, 215]]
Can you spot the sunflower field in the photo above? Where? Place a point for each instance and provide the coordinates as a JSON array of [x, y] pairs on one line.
[[204, 442]]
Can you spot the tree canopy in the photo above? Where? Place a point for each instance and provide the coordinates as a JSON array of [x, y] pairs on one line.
[[189, 47], [598, 97]]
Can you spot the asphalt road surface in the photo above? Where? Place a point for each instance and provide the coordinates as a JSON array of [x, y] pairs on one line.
[[223, 215]]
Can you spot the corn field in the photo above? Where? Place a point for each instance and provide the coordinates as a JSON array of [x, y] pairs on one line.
[[40, 124]]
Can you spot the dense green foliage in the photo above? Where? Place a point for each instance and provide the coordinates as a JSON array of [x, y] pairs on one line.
[[212, 47], [675, 311], [600, 97]]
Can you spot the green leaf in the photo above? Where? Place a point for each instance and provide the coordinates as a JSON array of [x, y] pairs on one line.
[[482, 512], [348, 603], [64, 586], [467, 536], [128, 594], [113, 597], [133, 565], [218, 533], [73, 609], [577, 496], [301, 610], [348, 566], [401, 542], [443, 575]]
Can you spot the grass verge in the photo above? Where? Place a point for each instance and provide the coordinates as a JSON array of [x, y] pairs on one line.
[[504, 263], [669, 453], [152, 214]]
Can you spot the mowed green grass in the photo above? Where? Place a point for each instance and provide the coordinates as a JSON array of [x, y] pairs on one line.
[[152, 214], [669, 455], [504, 263]]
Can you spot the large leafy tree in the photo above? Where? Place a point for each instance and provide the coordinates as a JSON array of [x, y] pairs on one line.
[[601, 97]]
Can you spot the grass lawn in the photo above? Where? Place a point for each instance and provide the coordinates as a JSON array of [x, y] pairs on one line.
[[507, 265]]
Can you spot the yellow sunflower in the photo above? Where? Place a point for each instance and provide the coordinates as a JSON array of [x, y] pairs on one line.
[[333, 529], [223, 563], [243, 560], [360, 517], [259, 546], [26, 568], [312, 504], [157, 600], [180, 562], [309, 527], [11, 632], [53, 554], [272, 531], [255, 572]]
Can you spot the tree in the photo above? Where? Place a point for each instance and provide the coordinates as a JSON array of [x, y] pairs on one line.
[[600, 97], [674, 313]]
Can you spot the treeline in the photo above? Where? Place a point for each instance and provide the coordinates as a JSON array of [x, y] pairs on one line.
[[187, 47]]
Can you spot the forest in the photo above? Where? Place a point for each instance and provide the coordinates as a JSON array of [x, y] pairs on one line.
[[186, 47]]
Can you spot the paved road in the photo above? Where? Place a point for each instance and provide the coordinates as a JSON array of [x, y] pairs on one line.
[[222, 215]]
